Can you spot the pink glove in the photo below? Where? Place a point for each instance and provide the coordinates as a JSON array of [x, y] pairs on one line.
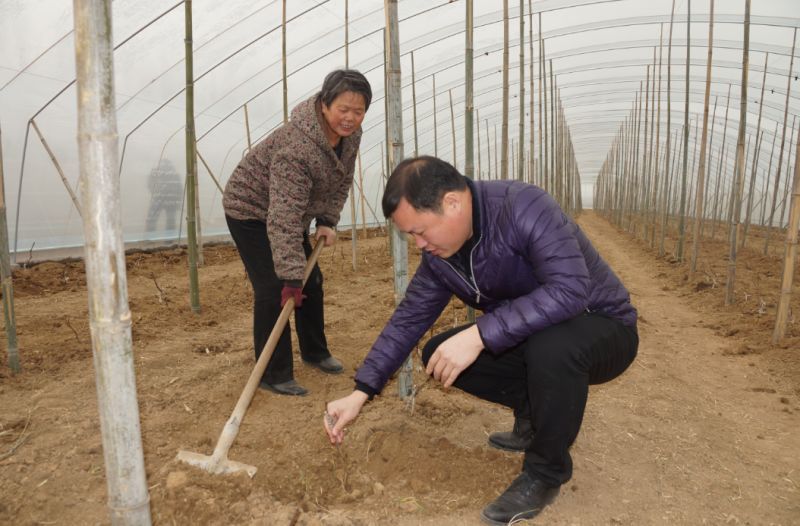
[[289, 291]]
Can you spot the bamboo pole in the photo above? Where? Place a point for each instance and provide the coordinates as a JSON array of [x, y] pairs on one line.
[[283, 66], [701, 172], [650, 194], [479, 173], [752, 188], [6, 278], [787, 185], [353, 214], [668, 133], [635, 152], [542, 177], [191, 165], [395, 153], [363, 200], [521, 160], [682, 212], [645, 157], [736, 197], [198, 219], [766, 177], [469, 131], [783, 139], [553, 174], [724, 140], [435, 125], [58, 168], [723, 159], [106, 281], [414, 103], [488, 152], [496, 154], [531, 147], [752, 185], [453, 128], [790, 254], [656, 178], [504, 126], [247, 127], [707, 195]]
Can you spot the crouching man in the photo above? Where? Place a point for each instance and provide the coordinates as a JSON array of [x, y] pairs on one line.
[[556, 317]]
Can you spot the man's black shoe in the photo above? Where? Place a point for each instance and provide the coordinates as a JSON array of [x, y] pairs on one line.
[[523, 499], [328, 365], [291, 388], [518, 439]]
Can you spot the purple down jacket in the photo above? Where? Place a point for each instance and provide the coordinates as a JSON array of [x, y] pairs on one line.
[[531, 267]]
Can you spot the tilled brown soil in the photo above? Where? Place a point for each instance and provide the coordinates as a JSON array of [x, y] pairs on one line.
[[701, 429]]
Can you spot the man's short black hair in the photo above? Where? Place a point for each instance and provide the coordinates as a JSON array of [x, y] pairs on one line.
[[341, 80], [422, 181]]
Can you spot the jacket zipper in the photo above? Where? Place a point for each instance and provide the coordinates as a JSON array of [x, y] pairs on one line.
[[474, 284]]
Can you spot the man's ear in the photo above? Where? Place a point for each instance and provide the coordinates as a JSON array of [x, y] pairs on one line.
[[451, 201]]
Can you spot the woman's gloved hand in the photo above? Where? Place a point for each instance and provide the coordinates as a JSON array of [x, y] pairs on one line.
[[292, 289]]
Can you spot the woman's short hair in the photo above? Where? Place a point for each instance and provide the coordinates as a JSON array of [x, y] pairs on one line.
[[341, 80], [422, 182]]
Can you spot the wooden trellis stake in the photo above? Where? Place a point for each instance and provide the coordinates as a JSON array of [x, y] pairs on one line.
[[790, 253]]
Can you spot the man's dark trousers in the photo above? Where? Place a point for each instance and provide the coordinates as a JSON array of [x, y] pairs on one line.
[[549, 374], [254, 248]]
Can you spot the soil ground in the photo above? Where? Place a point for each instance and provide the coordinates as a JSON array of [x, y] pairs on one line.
[[702, 428]]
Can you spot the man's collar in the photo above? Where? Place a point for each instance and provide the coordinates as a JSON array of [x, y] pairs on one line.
[[476, 210]]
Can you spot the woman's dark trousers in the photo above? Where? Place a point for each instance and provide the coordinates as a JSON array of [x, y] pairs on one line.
[[549, 375], [254, 248]]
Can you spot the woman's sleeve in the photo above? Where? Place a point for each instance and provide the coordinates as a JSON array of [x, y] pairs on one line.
[[289, 190]]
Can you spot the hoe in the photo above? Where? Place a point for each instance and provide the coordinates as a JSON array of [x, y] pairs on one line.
[[218, 462]]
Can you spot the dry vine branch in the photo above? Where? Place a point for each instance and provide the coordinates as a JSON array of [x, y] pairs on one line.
[[162, 298], [69, 324], [20, 440]]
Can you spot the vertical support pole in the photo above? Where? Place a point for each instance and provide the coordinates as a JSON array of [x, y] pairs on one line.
[[435, 124], [531, 146], [414, 103], [488, 152], [453, 128], [682, 211], [521, 143], [363, 199], [701, 172], [790, 253], [283, 66], [191, 165], [668, 132], [394, 119], [478, 137], [542, 180], [106, 280], [750, 197], [353, 216], [553, 174], [783, 139], [736, 194], [504, 125], [469, 103], [6, 278]]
